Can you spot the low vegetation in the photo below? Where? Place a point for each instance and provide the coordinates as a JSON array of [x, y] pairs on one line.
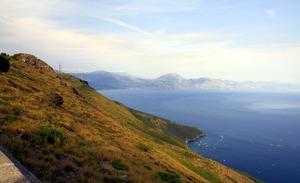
[[64, 131], [50, 135], [143, 147], [10, 117], [169, 177], [204, 172], [180, 132], [117, 164]]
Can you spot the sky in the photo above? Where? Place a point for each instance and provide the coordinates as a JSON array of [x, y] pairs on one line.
[[238, 40]]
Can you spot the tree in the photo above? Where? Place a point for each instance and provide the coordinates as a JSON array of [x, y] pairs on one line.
[[4, 55], [4, 63]]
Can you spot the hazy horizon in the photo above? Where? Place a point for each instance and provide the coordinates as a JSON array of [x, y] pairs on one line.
[[199, 77], [229, 40]]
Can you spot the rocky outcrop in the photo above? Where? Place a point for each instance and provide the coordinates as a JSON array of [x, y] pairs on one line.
[[33, 61], [56, 100]]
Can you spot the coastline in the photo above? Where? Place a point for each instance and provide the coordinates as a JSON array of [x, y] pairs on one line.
[[195, 138], [242, 172]]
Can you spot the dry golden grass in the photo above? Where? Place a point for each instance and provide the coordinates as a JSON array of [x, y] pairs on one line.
[[79, 140]]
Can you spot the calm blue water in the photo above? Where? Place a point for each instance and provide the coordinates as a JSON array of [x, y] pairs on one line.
[[258, 133]]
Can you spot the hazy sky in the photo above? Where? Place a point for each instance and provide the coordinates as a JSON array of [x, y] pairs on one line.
[[225, 39]]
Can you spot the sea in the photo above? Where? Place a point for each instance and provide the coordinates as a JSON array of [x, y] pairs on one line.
[[254, 132]]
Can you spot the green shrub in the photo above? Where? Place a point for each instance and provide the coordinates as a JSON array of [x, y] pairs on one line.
[[117, 164], [169, 177], [81, 142], [56, 123], [10, 117], [143, 147], [50, 134], [4, 55]]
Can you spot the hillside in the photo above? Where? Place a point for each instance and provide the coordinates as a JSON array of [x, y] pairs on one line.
[[62, 130], [107, 80]]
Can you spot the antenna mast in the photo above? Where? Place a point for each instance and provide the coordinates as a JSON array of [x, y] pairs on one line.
[[59, 67]]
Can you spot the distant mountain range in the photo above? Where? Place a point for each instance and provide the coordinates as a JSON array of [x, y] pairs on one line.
[[108, 80]]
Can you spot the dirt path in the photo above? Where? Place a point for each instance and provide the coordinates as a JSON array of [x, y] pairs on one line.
[[11, 170]]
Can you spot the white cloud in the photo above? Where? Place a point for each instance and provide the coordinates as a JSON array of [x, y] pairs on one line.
[[125, 25], [208, 55], [149, 54]]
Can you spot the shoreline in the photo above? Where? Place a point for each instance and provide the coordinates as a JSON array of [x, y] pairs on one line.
[[244, 173], [195, 138]]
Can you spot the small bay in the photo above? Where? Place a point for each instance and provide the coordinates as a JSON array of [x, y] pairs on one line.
[[257, 133]]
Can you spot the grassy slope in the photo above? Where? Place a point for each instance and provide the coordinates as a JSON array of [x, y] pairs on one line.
[[91, 138]]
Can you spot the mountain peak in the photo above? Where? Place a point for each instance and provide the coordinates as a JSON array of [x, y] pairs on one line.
[[170, 76]]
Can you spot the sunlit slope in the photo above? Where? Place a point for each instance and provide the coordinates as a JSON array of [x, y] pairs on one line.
[[64, 131]]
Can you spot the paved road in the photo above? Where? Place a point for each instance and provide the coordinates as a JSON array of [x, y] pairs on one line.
[[11, 171]]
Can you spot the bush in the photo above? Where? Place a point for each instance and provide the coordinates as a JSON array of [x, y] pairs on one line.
[[50, 135], [117, 164], [4, 63], [10, 117], [143, 147], [169, 177], [5, 55]]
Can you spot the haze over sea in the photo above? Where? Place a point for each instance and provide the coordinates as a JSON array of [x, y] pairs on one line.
[[257, 133]]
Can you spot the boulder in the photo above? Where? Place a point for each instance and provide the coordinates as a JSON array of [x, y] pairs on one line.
[[56, 100]]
